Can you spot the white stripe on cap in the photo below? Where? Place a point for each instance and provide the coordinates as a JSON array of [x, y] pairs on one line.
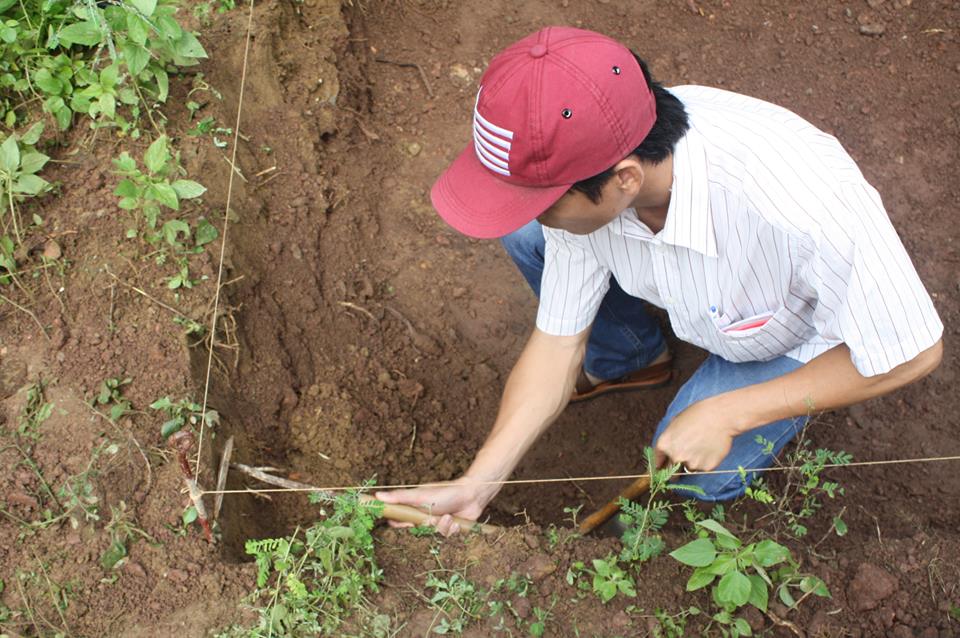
[[486, 138]]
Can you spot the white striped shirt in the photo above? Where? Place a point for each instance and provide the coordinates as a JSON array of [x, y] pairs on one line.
[[768, 216]]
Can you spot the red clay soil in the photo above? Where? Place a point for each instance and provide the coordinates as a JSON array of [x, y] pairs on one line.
[[373, 341]]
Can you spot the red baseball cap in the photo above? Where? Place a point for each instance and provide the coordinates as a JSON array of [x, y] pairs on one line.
[[557, 107]]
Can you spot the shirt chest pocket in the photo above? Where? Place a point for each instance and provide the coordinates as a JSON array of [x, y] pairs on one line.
[[761, 337]]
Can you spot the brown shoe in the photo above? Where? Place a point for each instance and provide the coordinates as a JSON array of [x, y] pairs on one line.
[[654, 376]]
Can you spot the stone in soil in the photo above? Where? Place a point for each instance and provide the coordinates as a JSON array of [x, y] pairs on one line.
[[870, 586]]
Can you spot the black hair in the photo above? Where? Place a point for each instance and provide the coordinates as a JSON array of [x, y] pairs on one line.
[[671, 125]]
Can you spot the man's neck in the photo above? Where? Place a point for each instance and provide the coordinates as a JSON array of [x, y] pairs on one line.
[[653, 200]]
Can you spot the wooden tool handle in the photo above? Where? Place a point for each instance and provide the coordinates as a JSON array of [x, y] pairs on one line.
[[410, 514], [635, 489]]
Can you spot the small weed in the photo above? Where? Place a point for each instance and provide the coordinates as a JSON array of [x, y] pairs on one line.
[[181, 413], [19, 164], [673, 625], [802, 497], [159, 186], [608, 578], [122, 531], [458, 602], [743, 573], [35, 411], [641, 539], [310, 582], [111, 394]]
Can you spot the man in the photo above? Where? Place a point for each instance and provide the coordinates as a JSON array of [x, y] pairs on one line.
[[755, 231]]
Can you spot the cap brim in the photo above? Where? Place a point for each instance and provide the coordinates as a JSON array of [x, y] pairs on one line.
[[476, 203]]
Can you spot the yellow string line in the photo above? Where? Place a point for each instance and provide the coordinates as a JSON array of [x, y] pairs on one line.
[[223, 242], [578, 479]]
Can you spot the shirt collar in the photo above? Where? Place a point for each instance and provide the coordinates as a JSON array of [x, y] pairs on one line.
[[689, 221]]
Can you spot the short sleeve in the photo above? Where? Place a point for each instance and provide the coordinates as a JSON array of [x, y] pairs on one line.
[[573, 285], [869, 294]]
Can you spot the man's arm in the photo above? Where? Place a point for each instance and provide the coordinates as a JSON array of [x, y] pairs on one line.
[[701, 436], [536, 392]]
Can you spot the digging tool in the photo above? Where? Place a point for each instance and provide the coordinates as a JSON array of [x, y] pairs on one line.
[[398, 513], [598, 518]]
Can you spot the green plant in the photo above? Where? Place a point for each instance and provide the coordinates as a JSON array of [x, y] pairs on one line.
[[122, 531], [111, 394], [608, 578], [673, 625], [148, 192], [35, 411], [805, 488], [77, 495], [457, 600], [19, 164], [53, 49], [742, 574], [181, 413], [308, 583], [160, 186], [641, 538]]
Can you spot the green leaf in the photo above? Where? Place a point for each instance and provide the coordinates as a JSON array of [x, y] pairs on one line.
[[128, 203], [171, 426], [759, 595], [698, 553], [743, 627], [64, 116], [32, 161], [9, 155], [769, 553], [700, 579], [839, 526], [785, 596], [168, 27], [136, 57], [87, 33], [146, 7], [30, 185], [125, 163], [189, 515], [115, 553], [32, 136], [815, 585], [108, 105], [187, 46], [47, 82], [734, 588], [206, 232], [723, 564], [172, 229], [717, 528], [163, 84], [164, 194], [109, 76], [157, 155], [188, 189], [126, 188], [136, 29]]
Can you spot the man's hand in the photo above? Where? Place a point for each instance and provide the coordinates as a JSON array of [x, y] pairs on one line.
[[463, 497], [699, 438]]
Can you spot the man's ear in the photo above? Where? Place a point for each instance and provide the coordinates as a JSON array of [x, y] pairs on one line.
[[630, 175]]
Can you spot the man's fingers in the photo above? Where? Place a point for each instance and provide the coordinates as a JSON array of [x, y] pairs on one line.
[[659, 458]]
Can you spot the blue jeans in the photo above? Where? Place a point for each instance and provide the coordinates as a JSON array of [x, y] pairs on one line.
[[625, 338]]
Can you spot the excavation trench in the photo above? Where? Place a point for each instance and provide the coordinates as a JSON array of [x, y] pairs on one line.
[[373, 340], [349, 363]]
